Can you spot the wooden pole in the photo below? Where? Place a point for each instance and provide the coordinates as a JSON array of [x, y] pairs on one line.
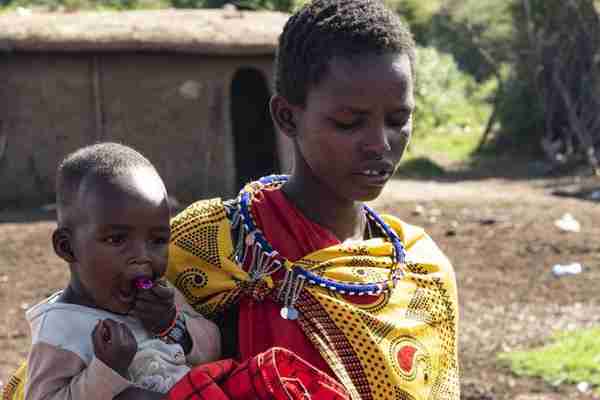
[[97, 95]]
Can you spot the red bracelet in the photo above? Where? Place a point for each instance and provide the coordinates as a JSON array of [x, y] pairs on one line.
[[170, 327]]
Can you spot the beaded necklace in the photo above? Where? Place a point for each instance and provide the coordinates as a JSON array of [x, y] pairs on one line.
[[266, 260]]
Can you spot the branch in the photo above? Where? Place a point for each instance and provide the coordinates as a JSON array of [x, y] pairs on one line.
[[574, 122], [3, 141]]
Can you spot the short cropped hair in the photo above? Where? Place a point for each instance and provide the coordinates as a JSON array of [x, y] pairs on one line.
[[324, 29], [101, 160]]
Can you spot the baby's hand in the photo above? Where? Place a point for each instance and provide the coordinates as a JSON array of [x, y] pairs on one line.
[[114, 345], [155, 308]]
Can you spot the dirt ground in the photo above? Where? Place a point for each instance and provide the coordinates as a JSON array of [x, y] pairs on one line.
[[499, 233]]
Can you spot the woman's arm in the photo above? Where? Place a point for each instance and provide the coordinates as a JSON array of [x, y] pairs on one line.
[[204, 334]]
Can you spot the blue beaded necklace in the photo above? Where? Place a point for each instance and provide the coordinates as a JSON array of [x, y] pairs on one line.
[[266, 260]]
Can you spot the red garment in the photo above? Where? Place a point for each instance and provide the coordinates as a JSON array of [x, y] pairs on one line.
[[273, 375], [293, 236]]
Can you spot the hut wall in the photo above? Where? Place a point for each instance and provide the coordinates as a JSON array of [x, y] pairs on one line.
[[174, 108], [45, 105]]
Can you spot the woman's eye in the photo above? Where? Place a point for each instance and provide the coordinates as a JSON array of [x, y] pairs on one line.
[[398, 122], [346, 126]]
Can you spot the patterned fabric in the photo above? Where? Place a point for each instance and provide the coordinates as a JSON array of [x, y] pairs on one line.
[[15, 387], [276, 374], [397, 345]]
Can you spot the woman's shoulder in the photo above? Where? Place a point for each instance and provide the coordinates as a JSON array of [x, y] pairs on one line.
[[199, 211], [420, 247]]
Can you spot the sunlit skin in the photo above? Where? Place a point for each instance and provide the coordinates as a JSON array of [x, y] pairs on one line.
[[358, 118]]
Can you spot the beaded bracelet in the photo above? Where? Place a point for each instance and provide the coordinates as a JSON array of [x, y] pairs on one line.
[[166, 331]]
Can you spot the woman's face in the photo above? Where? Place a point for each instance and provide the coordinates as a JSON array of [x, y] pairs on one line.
[[356, 124]]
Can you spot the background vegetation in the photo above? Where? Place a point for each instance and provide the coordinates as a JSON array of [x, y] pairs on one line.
[[572, 357]]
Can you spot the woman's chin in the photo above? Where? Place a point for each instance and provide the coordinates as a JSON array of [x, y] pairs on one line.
[[370, 194]]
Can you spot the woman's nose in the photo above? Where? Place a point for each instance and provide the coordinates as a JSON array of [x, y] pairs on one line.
[[376, 142]]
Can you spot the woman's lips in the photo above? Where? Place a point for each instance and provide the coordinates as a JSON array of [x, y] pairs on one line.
[[373, 178]]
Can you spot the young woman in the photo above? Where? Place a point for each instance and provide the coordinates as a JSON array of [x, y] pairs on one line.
[[299, 261]]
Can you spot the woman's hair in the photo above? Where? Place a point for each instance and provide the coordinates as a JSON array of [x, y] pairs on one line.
[[324, 29]]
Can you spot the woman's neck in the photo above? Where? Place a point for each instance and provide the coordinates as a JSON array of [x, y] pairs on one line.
[[318, 203]]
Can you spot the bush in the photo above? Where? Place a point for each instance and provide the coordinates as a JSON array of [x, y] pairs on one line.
[[449, 101]]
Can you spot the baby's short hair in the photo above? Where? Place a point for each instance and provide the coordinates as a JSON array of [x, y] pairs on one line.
[[101, 160], [324, 29]]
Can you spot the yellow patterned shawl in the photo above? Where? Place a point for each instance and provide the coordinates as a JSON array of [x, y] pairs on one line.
[[402, 345], [15, 387]]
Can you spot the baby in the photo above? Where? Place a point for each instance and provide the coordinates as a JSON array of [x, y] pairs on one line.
[[116, 328]]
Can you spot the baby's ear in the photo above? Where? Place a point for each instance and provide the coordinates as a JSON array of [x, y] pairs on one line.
[[283, 116], [61, 240]]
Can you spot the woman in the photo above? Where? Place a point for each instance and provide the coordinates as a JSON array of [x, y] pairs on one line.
[[300, 262]]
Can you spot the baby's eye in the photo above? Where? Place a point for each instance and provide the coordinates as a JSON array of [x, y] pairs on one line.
[[115, 240], [160, 241]]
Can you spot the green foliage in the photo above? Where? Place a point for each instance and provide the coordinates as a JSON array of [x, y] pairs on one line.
[[477, 32], [449, 101], [573, 357], [418, 15]]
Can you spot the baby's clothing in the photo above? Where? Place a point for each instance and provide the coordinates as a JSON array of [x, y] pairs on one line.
[[62, 364]]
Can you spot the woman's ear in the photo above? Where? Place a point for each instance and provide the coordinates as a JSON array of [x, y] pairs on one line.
[[283, 114], [61, 241]]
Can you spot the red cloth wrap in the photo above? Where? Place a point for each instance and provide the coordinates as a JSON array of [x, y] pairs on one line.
[[294, 236], [276, 374]]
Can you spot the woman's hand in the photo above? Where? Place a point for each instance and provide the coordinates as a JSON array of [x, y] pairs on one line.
[[114, 345], [155, 308]]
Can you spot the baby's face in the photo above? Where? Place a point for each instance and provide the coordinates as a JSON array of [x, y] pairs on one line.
[[121, 234]]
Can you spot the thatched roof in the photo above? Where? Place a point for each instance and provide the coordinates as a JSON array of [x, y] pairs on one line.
[[219, 32]]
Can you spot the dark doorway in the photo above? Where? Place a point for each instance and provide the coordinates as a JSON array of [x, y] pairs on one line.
[[253, 132]]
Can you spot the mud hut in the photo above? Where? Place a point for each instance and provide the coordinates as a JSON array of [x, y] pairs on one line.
[[187, 88]]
